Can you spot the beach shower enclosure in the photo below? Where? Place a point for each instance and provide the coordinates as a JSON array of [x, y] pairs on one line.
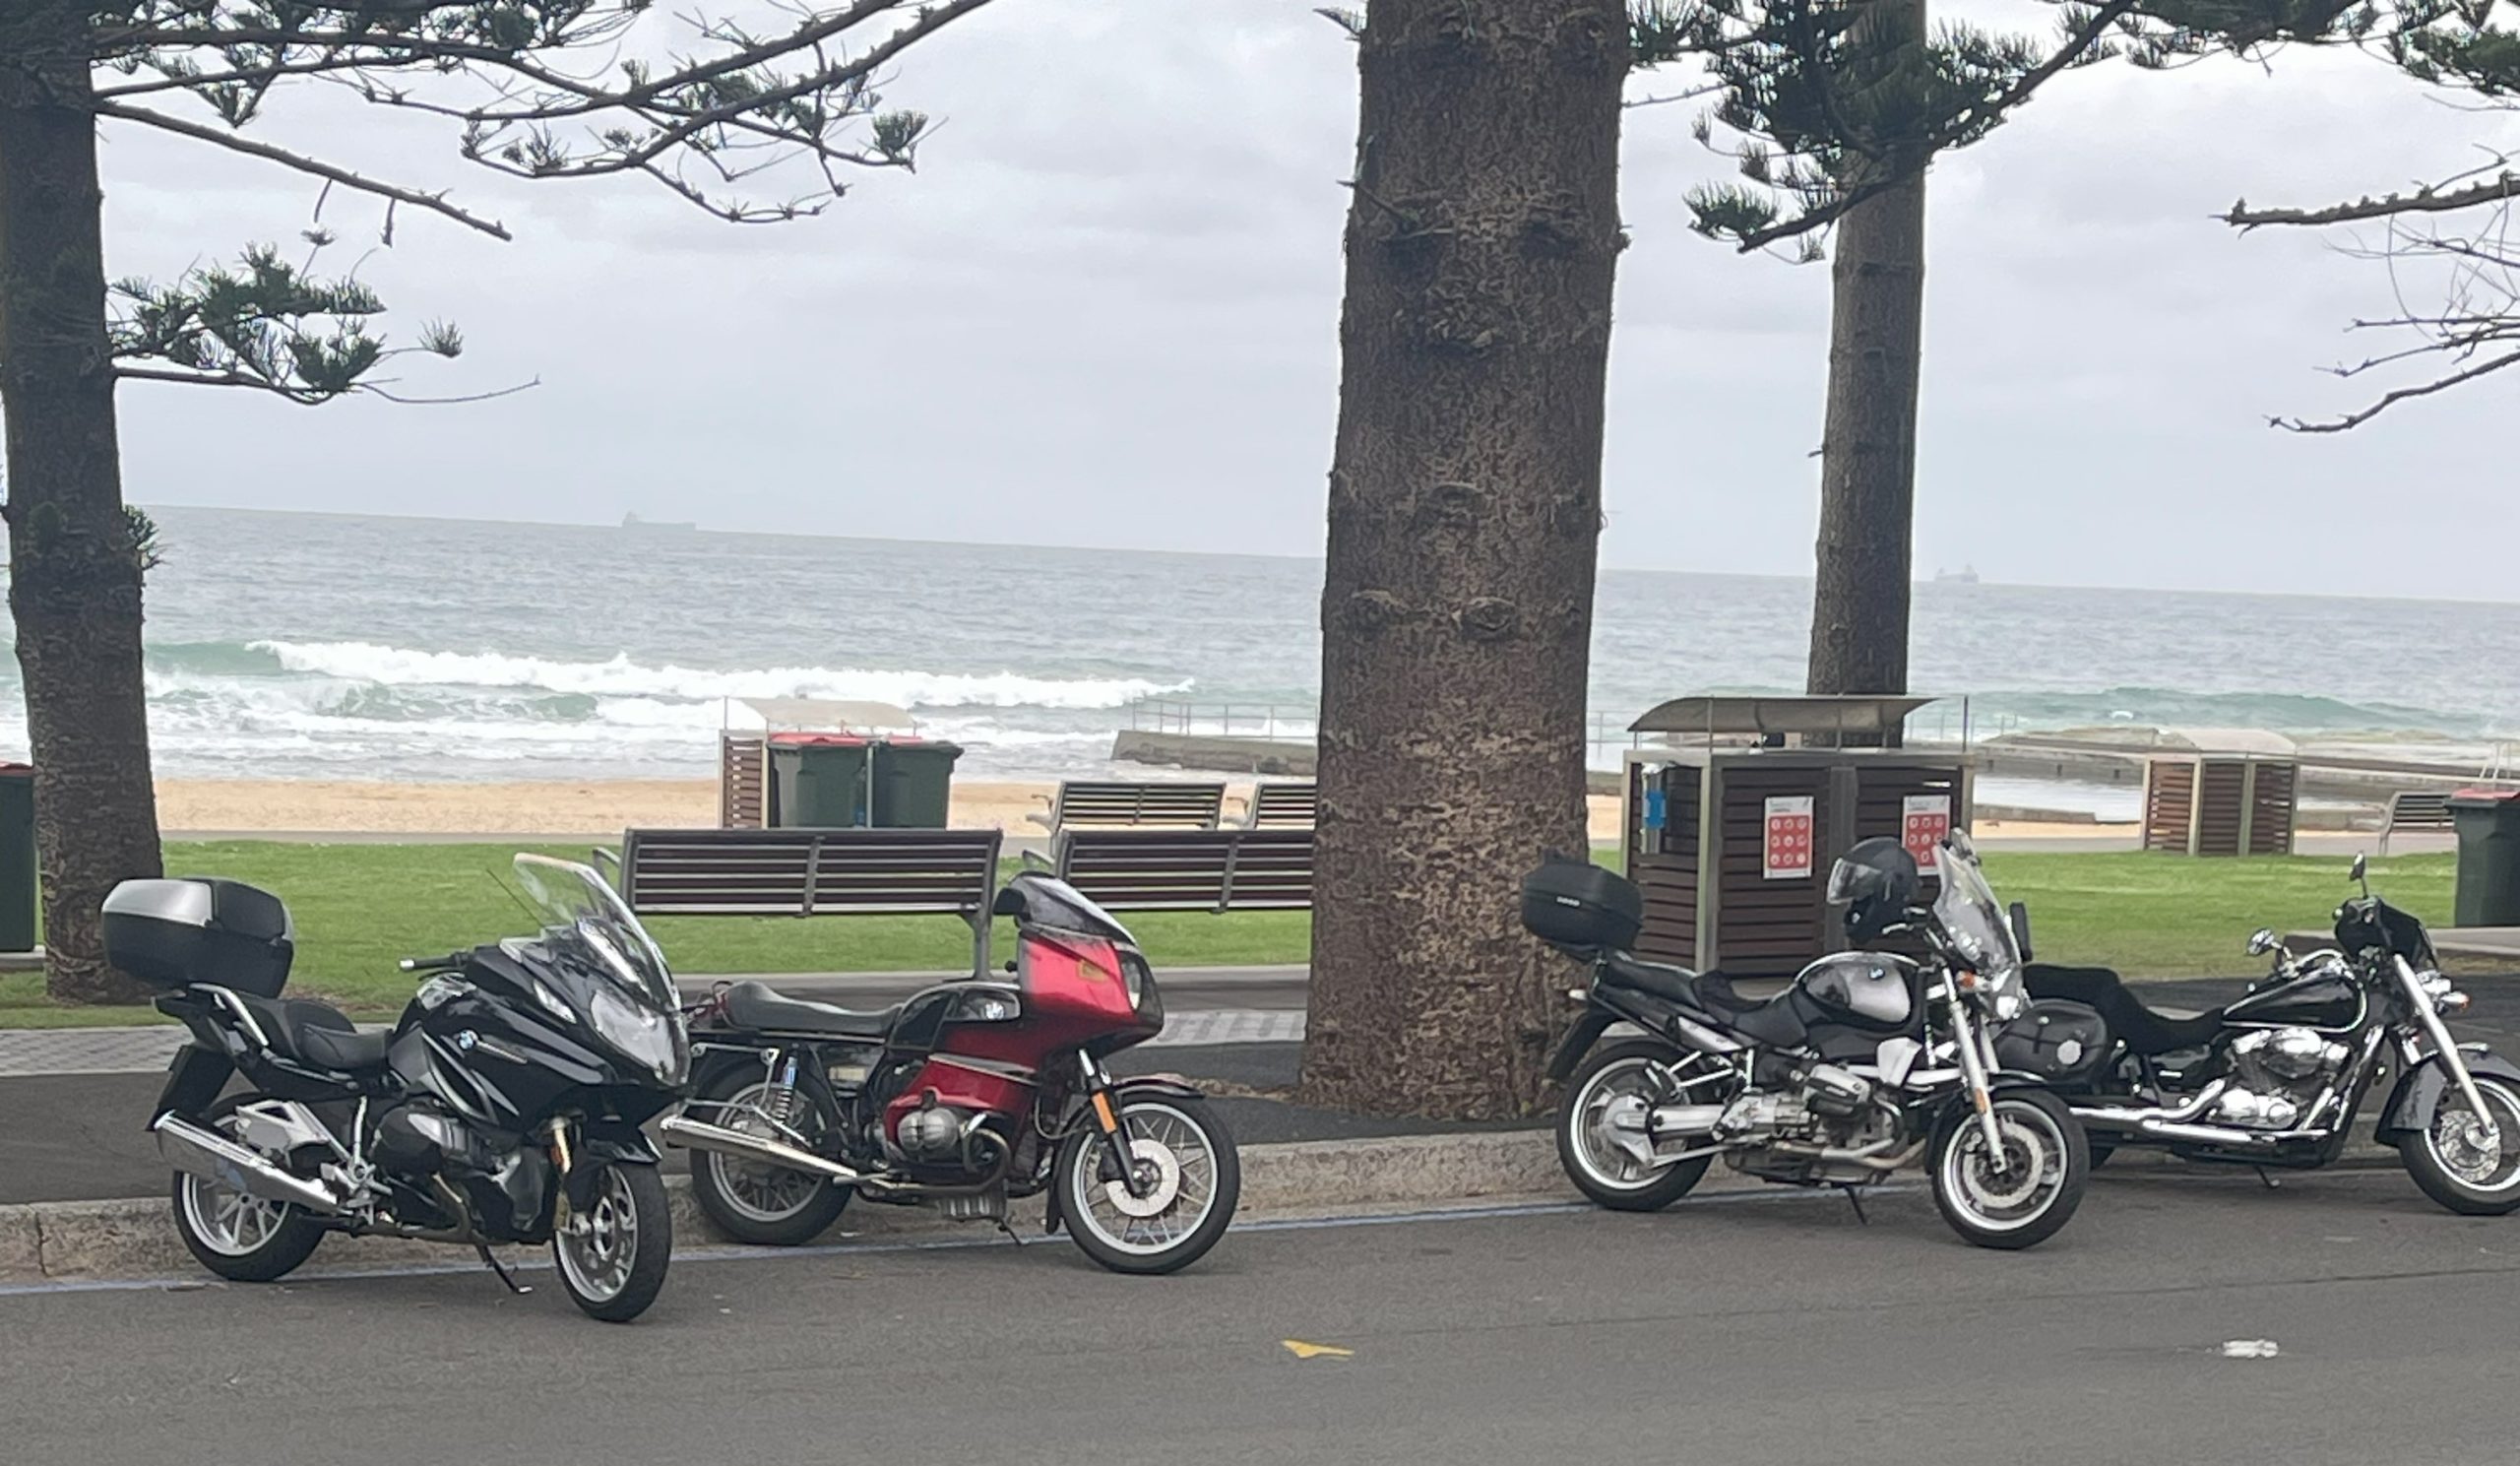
[[1734, 814]]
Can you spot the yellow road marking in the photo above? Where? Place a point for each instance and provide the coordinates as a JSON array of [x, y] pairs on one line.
[[1301, 1350]]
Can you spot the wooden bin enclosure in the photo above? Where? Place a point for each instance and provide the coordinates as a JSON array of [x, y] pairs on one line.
[[2220, 804], [1731, 842], [744, 799]]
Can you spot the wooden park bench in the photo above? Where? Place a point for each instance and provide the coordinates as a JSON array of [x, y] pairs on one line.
[[1128, 806], [2415, 809], [812, 874], [1283, 807], [1216, 871]]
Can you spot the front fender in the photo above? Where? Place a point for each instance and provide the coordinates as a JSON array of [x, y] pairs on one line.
[[1154, 1087], [2419, 1091], [611, 1144]]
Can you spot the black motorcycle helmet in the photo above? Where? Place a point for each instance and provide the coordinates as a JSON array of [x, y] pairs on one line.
[[1876, 882]]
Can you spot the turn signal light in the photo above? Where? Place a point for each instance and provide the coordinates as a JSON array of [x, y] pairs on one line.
[[2452, 1001]]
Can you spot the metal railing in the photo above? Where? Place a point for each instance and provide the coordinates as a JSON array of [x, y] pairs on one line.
[[1266, 721]]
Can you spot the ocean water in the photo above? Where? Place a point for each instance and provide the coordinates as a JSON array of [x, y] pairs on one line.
[[320, 645]]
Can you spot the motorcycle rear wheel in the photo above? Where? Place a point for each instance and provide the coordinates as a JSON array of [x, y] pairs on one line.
[[242, 1239], [750, 1202], [1607, 1177], [2005, 1210]]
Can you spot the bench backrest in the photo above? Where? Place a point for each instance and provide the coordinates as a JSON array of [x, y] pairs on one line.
[[2420, 809], [1215, 870], [809, 872], [1282, 807], [1196, 806]]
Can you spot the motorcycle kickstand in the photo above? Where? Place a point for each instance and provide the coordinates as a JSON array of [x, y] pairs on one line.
[[1857, 1202], [504, 1276], [1007, 1225], [2272, 1184]]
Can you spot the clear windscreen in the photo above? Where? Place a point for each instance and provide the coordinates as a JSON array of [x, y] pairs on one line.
[[582, 912], [1966, 909]]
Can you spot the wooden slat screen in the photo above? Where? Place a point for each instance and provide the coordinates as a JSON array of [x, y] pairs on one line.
[[1666, 865], [1766, 928], [2272, 809], [743, 780], [2169, 790]]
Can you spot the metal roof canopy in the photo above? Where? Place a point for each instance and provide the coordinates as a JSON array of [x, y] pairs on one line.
[[1729, 716], [824, 715]]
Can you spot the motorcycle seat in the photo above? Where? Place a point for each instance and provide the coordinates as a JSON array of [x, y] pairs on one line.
[[316, 1034], [758, 1005], [1766, 1020], [2146, 1030]]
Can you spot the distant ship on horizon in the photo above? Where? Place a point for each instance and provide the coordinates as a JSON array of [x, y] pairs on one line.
[[1966, 575], [675, 526]]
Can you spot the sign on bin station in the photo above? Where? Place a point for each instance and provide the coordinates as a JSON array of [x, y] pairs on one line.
[[1788, 843], [1924, 821]]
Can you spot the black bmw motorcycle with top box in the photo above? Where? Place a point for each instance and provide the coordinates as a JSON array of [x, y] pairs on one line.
[[505, 1107], [1867, 1063], [2277, 1078]]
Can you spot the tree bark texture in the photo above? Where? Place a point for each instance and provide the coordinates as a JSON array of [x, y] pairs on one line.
[[1868, 447], [73, 572], [1465, 506]]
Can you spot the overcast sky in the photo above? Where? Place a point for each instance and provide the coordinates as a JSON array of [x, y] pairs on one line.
[[1103, 313]]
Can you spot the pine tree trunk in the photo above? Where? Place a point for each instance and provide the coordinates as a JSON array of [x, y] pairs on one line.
[[73, 572], [1465, 503], [1868, 448]]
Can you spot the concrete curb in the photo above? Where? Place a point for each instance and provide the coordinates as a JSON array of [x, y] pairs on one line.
[[68, 1242], [88, 1241]]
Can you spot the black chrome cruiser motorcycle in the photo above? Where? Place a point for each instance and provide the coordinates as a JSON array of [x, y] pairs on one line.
[[504, 1108], [1863, 1065], [2277, 1078]]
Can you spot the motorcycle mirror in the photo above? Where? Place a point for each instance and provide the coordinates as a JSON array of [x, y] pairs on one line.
[[2021, 928], [2362, 872], [2262, 942]]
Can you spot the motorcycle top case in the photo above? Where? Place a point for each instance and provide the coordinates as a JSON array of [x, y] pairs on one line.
[[2062, 1043], [168, 933], [1579, 905]]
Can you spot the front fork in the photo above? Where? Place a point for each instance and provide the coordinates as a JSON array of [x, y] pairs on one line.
[[1964, 1038], [1106, 1118], [2447, 1048]]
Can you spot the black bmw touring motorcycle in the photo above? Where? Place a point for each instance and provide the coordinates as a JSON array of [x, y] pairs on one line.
[[1867, 1064], [505, 1106], [2277, 1078]]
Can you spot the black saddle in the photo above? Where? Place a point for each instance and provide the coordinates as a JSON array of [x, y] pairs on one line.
[[316, 1034], [758, 1005], [2146, 1031], [1768, 1020]]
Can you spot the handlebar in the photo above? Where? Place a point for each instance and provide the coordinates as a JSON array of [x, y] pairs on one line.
[[451, 961]]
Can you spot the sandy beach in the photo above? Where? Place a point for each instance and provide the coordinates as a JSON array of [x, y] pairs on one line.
[[575, 808]]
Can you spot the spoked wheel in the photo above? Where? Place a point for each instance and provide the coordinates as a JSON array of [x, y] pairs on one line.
[[769, 1206], [1611, 1161], [613, 1255], [2046, 1162], [240, 1237], [2469, 1168], [1190, 1182]]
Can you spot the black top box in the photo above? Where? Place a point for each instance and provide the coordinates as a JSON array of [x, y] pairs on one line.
[[1578, 905], [171, 933]]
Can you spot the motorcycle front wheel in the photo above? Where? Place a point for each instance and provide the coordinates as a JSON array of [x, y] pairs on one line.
[[1192, 1181], [612, 1256], [2456, 1166], [2047, 1163]]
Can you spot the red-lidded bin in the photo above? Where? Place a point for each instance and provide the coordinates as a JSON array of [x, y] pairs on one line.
[[2488, 824]]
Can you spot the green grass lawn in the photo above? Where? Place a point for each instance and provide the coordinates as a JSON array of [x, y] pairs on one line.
[[361, 907]]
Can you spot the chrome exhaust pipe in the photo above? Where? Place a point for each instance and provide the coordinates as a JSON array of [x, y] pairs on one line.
[[212, 1157], [2144, 1120], [1684, 1121], [693, 1134]]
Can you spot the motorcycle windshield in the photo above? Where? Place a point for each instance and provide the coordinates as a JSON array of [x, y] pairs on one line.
[[1040, 900], [584, 916], [1966, 910]]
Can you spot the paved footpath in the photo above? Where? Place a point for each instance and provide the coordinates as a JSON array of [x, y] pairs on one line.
[[1770, 1329]]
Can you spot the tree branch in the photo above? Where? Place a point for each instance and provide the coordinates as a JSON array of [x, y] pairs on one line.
[[2389, 206], [2353, 420], [301, 396], [436, 203]]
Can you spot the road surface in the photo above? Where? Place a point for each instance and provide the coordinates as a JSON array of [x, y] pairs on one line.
[[1749, 1332]]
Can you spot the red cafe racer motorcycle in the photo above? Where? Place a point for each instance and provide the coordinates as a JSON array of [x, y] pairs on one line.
[[971, 1093]]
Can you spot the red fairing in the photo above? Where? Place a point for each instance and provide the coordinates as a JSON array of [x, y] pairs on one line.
[[1073, 995]]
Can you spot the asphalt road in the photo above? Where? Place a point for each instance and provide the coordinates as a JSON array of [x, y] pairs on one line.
[[1753, 1332]]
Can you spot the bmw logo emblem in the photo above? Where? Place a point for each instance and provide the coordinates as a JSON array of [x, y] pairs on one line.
[[466, 1040]]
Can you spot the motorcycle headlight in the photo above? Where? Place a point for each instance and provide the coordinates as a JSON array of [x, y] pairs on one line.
[[641, 1035]]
